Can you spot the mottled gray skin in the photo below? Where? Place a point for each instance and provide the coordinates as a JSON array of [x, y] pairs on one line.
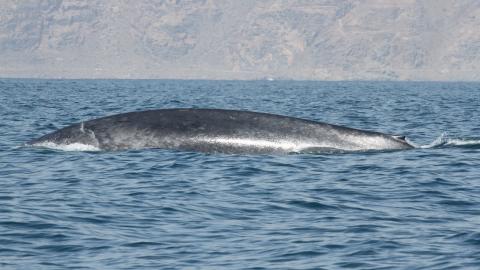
[[219, 131]]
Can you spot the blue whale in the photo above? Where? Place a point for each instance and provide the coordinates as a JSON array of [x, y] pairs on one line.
[[217, 131]]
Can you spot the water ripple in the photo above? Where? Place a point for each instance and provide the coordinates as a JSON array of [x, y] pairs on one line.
[[161, 209]]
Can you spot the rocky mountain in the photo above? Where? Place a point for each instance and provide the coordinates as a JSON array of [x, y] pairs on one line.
[[248, 39]]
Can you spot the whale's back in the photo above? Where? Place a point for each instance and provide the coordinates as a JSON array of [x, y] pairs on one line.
[[214, 130]]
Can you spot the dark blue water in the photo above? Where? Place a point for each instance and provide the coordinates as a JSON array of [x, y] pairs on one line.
[[161, 209]]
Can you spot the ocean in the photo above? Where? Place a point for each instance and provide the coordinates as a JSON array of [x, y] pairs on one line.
[[166, 209]]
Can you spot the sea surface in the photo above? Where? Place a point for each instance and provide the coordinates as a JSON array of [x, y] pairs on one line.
[[165, 209]]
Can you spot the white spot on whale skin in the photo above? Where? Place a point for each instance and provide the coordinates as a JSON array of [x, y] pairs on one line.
[[349, 143], [285, 145], [68, 147]]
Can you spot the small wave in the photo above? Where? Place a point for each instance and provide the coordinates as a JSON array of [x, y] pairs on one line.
[[444, 140], [441, 140], [68, 147], [466, 142]]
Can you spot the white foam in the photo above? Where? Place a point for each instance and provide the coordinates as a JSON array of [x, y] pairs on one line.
[[68, 147], [444, 139], [441, 140], [460, 142]]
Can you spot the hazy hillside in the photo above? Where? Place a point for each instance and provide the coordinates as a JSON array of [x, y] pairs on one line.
[[232, 39]]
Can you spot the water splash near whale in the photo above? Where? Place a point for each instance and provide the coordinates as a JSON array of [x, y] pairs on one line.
[[445, 140]]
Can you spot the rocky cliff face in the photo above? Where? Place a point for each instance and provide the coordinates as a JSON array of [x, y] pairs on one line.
[[231, 39]]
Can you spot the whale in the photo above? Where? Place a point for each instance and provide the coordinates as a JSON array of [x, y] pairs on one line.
[[218, 131]]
